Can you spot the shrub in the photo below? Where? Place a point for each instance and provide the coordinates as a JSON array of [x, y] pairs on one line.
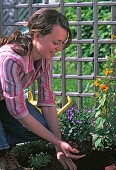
[[106, 110], [77, 125], [39, 160]]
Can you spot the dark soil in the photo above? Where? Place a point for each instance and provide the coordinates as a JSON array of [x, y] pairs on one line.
[[94, 160], [97, 160]]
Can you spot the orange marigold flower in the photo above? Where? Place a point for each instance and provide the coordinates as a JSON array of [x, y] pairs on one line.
[[107, 72], [97, 83], [104, 87], [112, 37]]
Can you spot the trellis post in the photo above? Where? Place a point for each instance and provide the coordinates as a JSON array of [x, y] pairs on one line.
[[63, 64], [15, 14], [1, 19], [95, 17], [79, 55], [30, 13], [113, 31]]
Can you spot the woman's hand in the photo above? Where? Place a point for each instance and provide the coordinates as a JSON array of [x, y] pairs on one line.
[[67, 163], [64, 155], [68, 151]]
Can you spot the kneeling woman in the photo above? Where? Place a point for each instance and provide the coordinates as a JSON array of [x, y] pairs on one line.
[[26, 57]]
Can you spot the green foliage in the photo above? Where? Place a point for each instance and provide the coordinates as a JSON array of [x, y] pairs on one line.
[[71, 85], [104, 32], [28, 148], [39, 160], [77, 125], [71, 51]]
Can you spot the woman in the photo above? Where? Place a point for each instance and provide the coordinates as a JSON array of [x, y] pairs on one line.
[[24, 59]]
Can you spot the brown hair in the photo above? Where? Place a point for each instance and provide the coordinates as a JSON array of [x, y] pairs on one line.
[[3, 41], [42, 21]]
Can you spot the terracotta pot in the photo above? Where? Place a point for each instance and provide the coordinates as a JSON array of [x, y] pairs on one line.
[[111, 167]]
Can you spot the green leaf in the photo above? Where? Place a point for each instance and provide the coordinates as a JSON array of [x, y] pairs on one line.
[[97, 142], [100, 121], [102, 100], [98, 113]]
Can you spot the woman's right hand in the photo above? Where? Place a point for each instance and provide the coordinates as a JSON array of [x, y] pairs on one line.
[[68, 151]]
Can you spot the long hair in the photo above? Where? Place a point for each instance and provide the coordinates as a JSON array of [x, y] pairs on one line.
[[3, 41], [41, 22]]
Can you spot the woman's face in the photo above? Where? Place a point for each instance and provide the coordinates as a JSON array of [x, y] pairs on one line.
[[48, 45]]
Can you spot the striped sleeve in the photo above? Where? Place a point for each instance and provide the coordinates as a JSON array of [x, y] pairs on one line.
[[12, 88], [46, 96]]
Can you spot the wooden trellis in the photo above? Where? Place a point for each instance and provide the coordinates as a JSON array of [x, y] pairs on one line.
[[30, 5]]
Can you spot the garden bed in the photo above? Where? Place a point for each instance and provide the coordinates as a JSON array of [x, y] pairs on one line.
[[94, 160]]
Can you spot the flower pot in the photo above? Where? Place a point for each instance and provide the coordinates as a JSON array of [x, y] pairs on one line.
[[111, 167]]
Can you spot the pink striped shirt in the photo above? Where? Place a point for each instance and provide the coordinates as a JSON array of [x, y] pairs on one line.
[[17, 73]]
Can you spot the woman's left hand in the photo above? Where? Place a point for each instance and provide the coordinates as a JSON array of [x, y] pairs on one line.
[[67, 163]]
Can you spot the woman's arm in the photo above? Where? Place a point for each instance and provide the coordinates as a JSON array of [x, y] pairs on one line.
[[50, 114]]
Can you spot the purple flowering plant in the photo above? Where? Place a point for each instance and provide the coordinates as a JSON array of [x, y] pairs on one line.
[[77, 125]]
